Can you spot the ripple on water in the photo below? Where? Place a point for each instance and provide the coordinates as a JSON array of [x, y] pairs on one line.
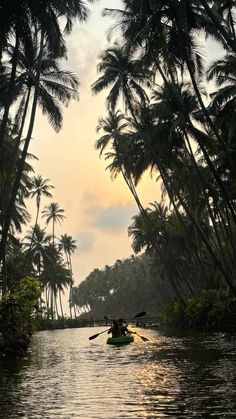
[[67, 376]]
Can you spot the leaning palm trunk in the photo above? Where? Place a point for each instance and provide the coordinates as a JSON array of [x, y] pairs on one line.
[[23, 157], [7, 182], [204, 238], [206, 114], [198, 136], [10, 88], [27, 260], [222, 240], [151, 229]]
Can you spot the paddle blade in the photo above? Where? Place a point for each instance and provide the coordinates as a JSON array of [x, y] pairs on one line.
[[94, 336], [143, 313], [143, 338]]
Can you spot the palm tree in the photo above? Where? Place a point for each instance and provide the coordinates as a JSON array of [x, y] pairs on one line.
[[20, 215], [18, 18], [125, 77], [55, 277], [53, 213], [69, 246], [39, 188], [52, 87], [35, 243]]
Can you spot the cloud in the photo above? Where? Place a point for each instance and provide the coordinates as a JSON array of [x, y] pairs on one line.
[[101, 213], [85, 241], [114, 217]]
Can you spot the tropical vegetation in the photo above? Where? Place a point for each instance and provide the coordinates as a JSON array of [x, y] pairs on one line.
[[32, 45], [172, 113]]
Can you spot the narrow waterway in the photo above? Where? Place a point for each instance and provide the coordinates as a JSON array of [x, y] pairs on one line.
[[65, 376]]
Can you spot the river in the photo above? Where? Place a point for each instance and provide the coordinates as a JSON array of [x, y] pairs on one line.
[[65, 375]]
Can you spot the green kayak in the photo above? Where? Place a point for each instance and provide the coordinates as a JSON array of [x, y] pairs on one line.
[[120, 340]]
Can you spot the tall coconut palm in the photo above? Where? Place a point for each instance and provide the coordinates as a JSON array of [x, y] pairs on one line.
[[124, 75], [55, 86], [55, 277], [68, 245], [39, 188], [49, 91], [53, 213], [17, 18], [35, 243]]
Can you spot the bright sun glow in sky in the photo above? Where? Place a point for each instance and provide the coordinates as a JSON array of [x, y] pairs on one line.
[[98, 210]]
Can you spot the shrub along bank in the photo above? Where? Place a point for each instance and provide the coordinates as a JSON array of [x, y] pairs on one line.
[[17, 310], [208, 310]]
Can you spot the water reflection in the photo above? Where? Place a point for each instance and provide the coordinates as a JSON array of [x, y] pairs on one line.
[[172, 376]]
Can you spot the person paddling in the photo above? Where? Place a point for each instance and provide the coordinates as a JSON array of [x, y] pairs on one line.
[[123, 328], [115, 329]]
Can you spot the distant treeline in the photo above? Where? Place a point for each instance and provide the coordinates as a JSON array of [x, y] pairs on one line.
[[124, 289]]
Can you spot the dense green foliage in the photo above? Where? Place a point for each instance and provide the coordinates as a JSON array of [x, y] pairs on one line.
[[206, 311], [17, 309]]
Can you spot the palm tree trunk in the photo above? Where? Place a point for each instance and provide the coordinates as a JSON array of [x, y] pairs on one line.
[[62, 313], [56, 306], [7, 182], [23, 157], [151, 229], [32, 237], [211, 215], [10, 88], [207, 116], [52, 302], [200, 141], [206, 242]]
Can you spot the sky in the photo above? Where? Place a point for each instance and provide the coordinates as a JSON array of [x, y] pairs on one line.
[[98, 210]]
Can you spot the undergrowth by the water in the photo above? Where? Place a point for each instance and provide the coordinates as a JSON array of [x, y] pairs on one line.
[[208, 310], [16, 317]]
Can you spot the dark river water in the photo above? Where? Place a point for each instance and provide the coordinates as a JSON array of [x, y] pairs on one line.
[[64, 375]]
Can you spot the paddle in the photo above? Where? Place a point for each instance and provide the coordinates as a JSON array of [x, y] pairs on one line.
[[97, 334], [142, 337]]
